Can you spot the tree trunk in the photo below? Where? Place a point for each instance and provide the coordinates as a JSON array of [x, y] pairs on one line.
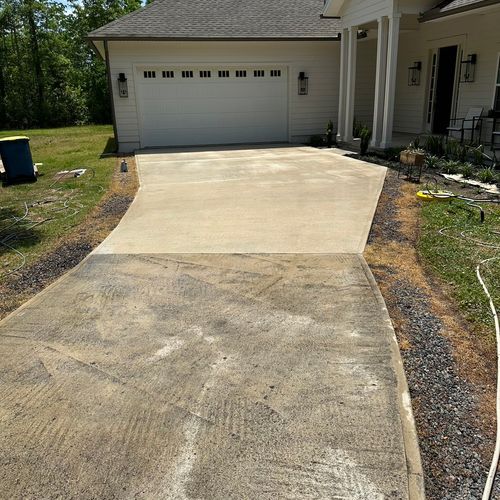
[[37, 64]]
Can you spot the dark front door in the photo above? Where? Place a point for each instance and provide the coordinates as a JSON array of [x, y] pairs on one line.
[[444, 89]]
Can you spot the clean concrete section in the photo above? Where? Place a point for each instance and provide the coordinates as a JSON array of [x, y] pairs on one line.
[[149, 374], [275, 200], [209, 377]]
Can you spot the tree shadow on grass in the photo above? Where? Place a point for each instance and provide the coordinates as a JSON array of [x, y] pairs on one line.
[[17, 232]]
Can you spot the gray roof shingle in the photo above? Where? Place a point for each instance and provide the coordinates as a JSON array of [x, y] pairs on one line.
[[450, 7], [223, 19]]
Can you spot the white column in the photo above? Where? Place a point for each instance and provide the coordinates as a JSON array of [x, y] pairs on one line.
[[342, 85], [350, 81], [390, 80], [378, 110]]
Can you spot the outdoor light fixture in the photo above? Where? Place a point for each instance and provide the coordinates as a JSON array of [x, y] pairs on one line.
[[122, 85], [303, 83], [468, 69], [414, 74]]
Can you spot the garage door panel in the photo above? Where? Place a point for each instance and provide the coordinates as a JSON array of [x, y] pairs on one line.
[[202, 136], [212, 110], [220, 106], [232, 120]]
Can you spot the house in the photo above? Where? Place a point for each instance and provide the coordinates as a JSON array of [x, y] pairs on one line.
[[225, 71]]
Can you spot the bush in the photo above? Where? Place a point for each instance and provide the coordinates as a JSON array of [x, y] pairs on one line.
[[365, 135], [451, 167], [467, 170], [478, 155], [329, 133], [316, 141], [486, 175], [432, 161], [434, 145], [357, 128]]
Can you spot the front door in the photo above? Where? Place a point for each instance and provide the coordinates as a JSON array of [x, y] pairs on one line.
[[445, 87]]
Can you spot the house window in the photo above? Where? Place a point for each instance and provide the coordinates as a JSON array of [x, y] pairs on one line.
[[241, 73], [167, 74], [224, 73], [187, 74], [258, 73], [496, 104], [149, 74], [205, 74], [276, 72]]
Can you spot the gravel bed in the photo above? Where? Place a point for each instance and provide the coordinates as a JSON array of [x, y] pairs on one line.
[[453, 443]]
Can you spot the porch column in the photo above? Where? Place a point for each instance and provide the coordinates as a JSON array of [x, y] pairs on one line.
[[342, 85], [350, 81], [390, 80], [378, 110]]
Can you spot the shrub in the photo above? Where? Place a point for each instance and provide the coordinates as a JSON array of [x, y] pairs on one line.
[[451, 149], [467, 170], [451, 167], [478, 155], [329, 133], [357, 128], [432, 161], [416, 142], [316, 141], [486, 175], [434, 145], [365, 135]]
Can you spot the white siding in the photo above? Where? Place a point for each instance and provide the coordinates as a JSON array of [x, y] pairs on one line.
[[357, 12], [475, 34], [308, 114]]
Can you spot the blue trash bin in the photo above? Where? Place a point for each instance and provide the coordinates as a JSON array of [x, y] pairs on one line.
[[16, 159]]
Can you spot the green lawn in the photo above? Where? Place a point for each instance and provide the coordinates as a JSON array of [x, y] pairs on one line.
[[454, 258], [66, 202]]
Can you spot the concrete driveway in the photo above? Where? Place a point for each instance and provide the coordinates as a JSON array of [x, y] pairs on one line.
[[275, 200], [146, 373]]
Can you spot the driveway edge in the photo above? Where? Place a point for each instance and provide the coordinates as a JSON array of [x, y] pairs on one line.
[[416, 487]]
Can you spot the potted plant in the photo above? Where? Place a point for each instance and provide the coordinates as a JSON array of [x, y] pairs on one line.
[[412, 156]]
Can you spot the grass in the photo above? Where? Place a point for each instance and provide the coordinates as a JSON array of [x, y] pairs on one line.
[[454, 258], [56, 206]]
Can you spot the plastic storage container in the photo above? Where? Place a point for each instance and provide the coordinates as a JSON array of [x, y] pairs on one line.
[[16, 159]]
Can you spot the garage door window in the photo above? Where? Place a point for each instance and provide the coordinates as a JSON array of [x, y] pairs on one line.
[[149, 74], [168, 74], [205, 74], [241, 73], [275, 72], [187, 74], [224, 73], [258, 73]]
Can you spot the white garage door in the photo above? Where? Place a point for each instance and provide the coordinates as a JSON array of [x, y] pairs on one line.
[[212, 105]]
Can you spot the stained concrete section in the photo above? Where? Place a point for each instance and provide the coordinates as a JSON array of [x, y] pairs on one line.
[[249, 200], [202, 376]]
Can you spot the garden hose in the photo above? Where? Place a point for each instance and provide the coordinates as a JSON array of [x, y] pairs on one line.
[[463, 236]]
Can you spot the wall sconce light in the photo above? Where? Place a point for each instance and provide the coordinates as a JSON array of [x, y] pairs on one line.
[[122, 85], [468, 69], [414, 74], [303, 83]]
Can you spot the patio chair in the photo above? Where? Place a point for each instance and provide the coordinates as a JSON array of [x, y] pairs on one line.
[[472, 121]]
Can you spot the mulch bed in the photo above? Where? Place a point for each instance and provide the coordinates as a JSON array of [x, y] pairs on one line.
[[454, 412]]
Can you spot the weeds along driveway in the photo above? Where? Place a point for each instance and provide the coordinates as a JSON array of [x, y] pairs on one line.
[[152, 373]]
